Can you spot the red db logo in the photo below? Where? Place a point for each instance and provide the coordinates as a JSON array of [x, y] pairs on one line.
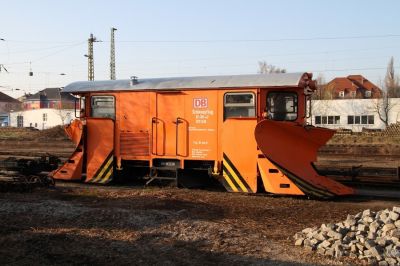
[[200, 102]]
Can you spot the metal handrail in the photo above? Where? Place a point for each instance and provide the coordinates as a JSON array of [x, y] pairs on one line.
[[178, 121], [154, 120]]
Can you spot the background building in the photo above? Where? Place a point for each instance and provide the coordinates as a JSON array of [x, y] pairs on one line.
[[355, 114], [44, 109], [42, 118], [49, 98], [7, 105]]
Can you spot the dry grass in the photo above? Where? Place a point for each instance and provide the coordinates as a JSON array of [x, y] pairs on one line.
[[364, 138], [12, 133], [391, 135]]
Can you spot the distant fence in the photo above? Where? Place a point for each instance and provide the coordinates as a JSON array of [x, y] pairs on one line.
[[392, 130]]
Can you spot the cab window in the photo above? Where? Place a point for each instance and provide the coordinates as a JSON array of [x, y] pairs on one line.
[[282, 106], [239, 104], [103, 106]]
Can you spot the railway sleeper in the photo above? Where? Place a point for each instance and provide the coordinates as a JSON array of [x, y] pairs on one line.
[[11, 182], [359, 174]]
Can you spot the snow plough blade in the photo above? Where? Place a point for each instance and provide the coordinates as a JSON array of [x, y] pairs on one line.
[[72, 168], [74, 131], [293, 148]]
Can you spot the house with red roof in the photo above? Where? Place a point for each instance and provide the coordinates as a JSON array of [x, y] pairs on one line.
[[352, 87]]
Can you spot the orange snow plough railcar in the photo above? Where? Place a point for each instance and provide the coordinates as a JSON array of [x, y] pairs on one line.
[[247, 131]]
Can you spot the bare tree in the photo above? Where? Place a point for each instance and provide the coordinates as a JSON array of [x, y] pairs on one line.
[[322, 93], [325, 90], [391, 81], [383, 107], [264, 68], [59, 108]]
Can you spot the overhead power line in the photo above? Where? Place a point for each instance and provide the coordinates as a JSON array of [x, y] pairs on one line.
[[348, 37], [37, 49], [352, 69], [268, 40]]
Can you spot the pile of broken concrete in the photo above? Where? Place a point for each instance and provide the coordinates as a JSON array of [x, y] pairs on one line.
[[368, 235]]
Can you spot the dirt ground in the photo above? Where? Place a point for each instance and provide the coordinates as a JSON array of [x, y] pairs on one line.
[[92, 225]]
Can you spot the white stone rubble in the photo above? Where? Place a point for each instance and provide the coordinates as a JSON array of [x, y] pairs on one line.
[[368, 235]]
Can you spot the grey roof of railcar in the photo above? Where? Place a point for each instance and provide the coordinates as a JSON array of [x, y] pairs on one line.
[[203, 82]]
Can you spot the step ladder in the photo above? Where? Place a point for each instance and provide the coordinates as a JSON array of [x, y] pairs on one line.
[[163, 173]]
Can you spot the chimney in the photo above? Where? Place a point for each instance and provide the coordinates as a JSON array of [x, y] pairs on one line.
[[134, 80]]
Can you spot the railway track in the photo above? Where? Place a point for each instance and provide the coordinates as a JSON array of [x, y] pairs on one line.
[[362, 174], [14, 182], [361, 165], [362, 191], [367, 172]]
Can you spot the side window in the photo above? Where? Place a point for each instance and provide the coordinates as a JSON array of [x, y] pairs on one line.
[[364, 119], [239, 104], [318, 119], [80, 104], [103, 106], [20, 121], [282, 106], [371, 119], [350, 120]]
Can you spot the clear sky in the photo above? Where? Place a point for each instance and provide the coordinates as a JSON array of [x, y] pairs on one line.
[[192, 38]]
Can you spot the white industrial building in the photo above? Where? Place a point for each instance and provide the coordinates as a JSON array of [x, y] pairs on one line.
[[353, 114], [42, 118]]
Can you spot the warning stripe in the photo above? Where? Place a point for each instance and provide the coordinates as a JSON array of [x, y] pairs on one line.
[[306, 187], [106, 178], [233, 175], [229, 183], [234, 169], [105, 170]]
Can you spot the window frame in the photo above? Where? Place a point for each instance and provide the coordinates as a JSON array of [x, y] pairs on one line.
[[317, 120], [80, 102], [92, 97], [364, 119], [224, 104], [350, 119], [331, 119], [295, 105], [20, 121], [371, 118], [336, 119]]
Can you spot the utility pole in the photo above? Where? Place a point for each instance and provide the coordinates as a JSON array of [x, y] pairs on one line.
[[3, 67], [112, 55], [90, 56]]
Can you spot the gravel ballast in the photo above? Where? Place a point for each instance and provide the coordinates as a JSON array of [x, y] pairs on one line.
[[368, 235]]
